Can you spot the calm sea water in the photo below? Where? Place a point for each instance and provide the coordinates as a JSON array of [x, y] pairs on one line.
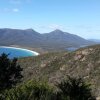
[[17, 52]]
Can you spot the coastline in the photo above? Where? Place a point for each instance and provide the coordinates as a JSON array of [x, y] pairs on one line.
[[39, 50], [34, 52]]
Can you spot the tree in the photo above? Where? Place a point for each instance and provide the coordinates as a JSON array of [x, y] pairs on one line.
[[10, 72], [74, 89]]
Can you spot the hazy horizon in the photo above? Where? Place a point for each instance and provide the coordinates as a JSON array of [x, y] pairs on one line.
[[73, 16]]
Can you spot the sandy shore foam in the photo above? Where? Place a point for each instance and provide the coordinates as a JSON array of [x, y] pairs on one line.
[[34, 52]]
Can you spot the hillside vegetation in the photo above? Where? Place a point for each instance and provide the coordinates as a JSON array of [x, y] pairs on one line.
[[53, 67]]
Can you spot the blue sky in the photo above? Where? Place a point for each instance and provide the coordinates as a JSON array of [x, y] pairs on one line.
[[81, 17]]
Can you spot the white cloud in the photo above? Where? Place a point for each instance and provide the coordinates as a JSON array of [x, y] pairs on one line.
[[15, 1], [15, 10], [55, 26], [51, 26], [9, 10], [19, 1]]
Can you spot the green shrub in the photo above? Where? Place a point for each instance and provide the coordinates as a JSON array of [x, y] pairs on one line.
[[30, 91], [74, 89], [70, 89]]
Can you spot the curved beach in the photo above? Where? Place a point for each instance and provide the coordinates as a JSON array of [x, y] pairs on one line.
[[34, 52]]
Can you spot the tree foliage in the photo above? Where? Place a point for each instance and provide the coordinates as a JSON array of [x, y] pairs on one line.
[[74, 89], [10, 72], [70, 89], [31, 90]]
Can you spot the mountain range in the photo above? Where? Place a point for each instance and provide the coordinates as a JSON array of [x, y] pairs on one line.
[[55, 40], [95, 40]]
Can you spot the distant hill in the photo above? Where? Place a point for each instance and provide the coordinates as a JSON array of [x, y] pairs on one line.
[[95, 40], [54, 40], [62, 39], [27, 37], [84, 63], [58, 36]]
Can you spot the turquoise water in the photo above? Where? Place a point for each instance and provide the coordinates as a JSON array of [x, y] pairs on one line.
[[17, 52]]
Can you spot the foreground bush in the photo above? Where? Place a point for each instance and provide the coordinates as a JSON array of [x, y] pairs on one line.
[[31, 91], [74, 89], [70, 89]]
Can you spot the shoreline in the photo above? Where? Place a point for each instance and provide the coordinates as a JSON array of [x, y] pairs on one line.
[[34, 52]]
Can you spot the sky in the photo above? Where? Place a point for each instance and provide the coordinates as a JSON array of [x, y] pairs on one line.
[[80, 17]]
